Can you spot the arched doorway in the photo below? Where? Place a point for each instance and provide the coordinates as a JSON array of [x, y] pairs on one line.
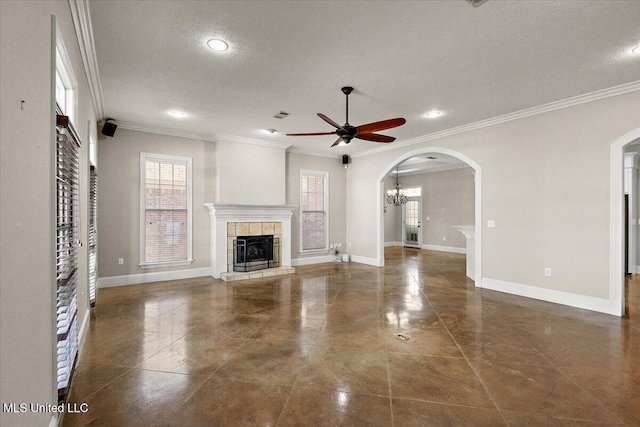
[[478, 203], [616, 223]]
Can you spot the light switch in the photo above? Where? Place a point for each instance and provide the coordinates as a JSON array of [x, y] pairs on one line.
[[491, 223]]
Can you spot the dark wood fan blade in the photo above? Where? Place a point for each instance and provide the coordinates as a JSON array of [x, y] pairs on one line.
[[375, 137], [338, 141], [311, 134], [328, 120], [381, 125]]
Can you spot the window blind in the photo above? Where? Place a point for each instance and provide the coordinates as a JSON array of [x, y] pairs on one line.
[[93, 234], [67, 216], [166, 210], [313, 212]]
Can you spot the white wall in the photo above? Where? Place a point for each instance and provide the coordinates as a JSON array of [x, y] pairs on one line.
[[392, 216], [249, 174], [545, 183], [337, 199], [27, 228], [119, 199]]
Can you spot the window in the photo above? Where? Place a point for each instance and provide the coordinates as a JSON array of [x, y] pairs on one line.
[[67, 177], [65, 90], [93, 234], [314, 220], [165, 210]]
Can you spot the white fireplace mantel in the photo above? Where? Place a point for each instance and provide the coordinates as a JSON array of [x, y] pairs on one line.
[[221, 214]]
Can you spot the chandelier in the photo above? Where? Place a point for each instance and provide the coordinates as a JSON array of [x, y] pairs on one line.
[[397, 196]]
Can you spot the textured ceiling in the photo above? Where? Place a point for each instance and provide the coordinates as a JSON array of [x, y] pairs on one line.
[[403, 58]]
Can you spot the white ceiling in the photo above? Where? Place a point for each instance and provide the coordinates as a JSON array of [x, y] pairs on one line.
[[403, 58]]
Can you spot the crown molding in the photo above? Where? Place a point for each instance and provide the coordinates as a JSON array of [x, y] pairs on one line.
[[212, 138], [253, 141], [307, 152], [545, 108], [84, 32], [163, 131]]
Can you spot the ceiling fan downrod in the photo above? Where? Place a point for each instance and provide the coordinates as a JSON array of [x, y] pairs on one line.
[[347, 90]]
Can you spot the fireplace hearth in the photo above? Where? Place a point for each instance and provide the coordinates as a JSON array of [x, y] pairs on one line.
[[251, 253]]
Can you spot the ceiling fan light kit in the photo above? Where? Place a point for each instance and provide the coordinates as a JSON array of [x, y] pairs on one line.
[[365, 132]]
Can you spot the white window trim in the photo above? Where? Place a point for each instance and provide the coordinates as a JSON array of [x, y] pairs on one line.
[[306, 172], [143, 161], [65, 69]]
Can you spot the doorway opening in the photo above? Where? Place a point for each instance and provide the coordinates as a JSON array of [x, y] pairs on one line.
[[426, 152], [617, 235]]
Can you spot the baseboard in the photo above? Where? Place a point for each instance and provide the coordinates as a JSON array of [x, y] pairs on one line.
[[450, 249], [313, 260], [365, 260], [559, 297], [390, 244], [159, 276]]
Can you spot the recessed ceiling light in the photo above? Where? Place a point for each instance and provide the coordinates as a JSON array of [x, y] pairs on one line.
[[433, 114], [271, 131], [217, 44], [177, 114]]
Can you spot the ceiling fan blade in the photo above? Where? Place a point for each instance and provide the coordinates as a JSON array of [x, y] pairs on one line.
[[375, 137], [311, 134], [328, 120], [338, 141], [381, 125]]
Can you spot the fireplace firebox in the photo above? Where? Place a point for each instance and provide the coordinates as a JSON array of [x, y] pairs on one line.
[[251, 253]]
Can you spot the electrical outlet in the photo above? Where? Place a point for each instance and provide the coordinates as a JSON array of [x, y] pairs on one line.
[[427, 218], [331, 246], [349, 244], [444, 238], [547, 271], [491, 223], [120, 261]]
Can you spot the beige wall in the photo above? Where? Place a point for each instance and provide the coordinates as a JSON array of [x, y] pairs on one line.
[[249, 174], [545, 181], [392, 215], [119, 198], [337, 198], [447, 199], [27, 148]]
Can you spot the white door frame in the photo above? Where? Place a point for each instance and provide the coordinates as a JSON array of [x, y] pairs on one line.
[[616, 222], [478, 202]]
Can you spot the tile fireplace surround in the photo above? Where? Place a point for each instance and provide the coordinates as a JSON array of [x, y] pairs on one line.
[[227, 221]]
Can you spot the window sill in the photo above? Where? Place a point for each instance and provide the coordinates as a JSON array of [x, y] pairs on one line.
[[314, 251], [149, 265]]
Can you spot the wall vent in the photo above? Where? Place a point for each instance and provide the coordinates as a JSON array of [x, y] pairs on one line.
[[281, 115], [476, 3]]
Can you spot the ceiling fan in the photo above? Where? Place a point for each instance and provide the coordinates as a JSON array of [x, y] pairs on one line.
[[347, 132]]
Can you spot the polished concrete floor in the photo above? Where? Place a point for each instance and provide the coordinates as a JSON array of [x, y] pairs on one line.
[[325, 347]]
